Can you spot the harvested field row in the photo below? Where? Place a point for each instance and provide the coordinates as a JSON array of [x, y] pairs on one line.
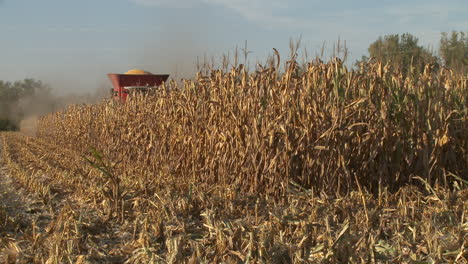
[[176, 224]]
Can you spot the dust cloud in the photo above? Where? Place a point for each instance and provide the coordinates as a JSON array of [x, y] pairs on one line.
[[175, 52], [174, 49], [28, 125]]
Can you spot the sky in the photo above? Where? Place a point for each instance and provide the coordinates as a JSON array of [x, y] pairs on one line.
[[72, 44]]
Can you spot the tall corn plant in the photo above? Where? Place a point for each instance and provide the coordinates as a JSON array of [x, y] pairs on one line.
[[321, 127]]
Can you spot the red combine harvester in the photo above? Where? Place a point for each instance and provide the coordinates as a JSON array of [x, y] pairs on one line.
[[132, 81]]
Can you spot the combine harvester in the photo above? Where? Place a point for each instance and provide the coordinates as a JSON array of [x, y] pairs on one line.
[[134, 81]]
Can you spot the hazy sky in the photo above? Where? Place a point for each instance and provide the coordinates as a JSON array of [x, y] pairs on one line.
[[72, 44]]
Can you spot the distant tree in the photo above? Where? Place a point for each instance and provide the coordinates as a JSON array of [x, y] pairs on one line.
[[454, 50], [402, 51], [9, 95], [20, 98]]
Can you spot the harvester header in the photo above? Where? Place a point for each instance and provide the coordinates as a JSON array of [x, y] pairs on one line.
[[134, 80]]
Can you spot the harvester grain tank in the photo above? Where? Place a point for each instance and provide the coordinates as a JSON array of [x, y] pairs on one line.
[[134, 80]]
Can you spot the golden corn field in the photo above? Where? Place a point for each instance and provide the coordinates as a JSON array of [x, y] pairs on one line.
[[321, 129], [313, 164]]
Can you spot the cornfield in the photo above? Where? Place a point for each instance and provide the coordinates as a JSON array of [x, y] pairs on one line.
[[313, 164], [326, 128]]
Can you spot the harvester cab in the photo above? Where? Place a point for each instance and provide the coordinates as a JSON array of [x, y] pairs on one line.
[[134, 81]]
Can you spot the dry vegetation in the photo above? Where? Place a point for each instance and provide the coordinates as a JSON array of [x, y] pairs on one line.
[[322, 127], [317, 164]]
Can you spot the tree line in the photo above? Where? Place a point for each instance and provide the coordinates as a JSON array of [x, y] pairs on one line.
[[22, 98], [404, 52]]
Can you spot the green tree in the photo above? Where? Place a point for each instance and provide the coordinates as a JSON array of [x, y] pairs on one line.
[[18, 98], [454, 50], [9, 95], [402, 51]]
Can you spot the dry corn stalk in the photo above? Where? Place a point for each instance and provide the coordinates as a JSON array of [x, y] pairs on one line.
[[321, 126]]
